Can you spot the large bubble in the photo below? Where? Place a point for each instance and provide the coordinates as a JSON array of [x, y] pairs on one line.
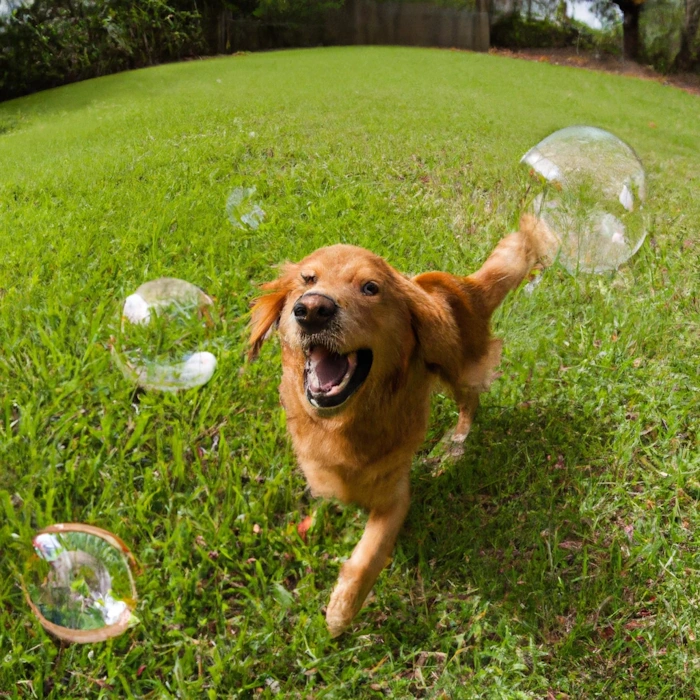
[[79, 583], [165, 326], [592, 197]]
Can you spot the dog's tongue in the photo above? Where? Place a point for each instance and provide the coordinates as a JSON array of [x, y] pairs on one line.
[[326, 369]]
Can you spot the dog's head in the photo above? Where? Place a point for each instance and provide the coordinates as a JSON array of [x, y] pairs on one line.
[[350, 320]]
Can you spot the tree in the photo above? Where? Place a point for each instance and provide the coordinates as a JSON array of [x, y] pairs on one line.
[[631, 11], [684, 60]]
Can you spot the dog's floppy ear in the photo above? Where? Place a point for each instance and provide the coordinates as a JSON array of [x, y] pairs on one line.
[[447, 322], [434, 329], [266, 310]]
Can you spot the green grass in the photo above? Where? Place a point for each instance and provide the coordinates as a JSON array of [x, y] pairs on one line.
[[557, 559]]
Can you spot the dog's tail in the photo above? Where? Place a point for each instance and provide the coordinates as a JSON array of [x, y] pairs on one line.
[[513, 258]]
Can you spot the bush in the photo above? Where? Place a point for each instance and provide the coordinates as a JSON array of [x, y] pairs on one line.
[[50, 43], [660, 26], [291, 10], [514, 31]]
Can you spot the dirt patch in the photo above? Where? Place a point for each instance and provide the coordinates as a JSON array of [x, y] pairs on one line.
[[690, 82]]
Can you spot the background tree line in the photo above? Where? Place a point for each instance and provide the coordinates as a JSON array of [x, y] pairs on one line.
[[661, 33], [46, 43]]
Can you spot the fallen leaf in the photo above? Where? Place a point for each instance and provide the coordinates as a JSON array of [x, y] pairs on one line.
[[570, 545], [303, 527], [422, 658], [607, 632]]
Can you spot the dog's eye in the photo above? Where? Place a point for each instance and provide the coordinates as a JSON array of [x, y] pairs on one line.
[[308, 277], [369, 289]]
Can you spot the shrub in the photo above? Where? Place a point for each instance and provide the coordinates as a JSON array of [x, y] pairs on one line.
[[50, 43], [660, 26], [291, 10], [514, 31]]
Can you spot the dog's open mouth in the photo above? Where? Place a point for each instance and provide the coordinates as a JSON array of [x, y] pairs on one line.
[[331, 379]]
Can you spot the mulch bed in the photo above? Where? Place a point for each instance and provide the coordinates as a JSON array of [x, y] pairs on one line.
[[690, 82]]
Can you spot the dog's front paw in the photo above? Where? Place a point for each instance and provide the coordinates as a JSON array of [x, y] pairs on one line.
[[343, 606]]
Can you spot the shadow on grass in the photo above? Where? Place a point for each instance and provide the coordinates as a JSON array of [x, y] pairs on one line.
[[508, 519]]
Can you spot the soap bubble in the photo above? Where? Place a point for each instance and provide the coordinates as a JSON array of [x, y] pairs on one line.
[[242, 211], [592, 197], [164, 326], [79, 583]]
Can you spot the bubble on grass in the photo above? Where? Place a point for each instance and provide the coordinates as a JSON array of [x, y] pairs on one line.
[[593, 190], [242, 211], [79, 583], [165, 327]]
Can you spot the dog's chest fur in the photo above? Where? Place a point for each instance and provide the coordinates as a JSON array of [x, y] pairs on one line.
[[357, 454]]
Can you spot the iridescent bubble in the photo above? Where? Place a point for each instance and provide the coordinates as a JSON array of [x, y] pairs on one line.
[[79, 583], [592, 197], [165, 326], [242, 211]]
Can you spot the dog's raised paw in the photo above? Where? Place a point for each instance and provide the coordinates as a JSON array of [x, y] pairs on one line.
[[342, 608]]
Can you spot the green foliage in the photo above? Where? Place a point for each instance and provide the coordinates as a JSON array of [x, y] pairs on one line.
[[50, 43], [660, 27], [455, 4], [515, 31], [662, 24], [608, 40], [558, 558], [293, 10]]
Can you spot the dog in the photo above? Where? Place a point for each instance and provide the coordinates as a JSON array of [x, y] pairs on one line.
[[362, 348]]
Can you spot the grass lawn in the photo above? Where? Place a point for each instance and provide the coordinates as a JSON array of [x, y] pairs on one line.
[[558, 559]]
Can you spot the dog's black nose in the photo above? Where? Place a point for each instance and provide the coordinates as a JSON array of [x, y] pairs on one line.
[[313, 312]]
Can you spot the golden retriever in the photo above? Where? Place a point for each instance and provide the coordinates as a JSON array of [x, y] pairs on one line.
[[362, 347]]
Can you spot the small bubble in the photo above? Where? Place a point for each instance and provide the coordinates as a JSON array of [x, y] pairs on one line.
[[242, 211]]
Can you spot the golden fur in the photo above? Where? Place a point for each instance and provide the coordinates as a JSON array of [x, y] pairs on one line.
[[432, 327]]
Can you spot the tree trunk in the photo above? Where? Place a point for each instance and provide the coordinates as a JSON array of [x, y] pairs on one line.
[[691, 22], [630, 32], [630, 27]]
